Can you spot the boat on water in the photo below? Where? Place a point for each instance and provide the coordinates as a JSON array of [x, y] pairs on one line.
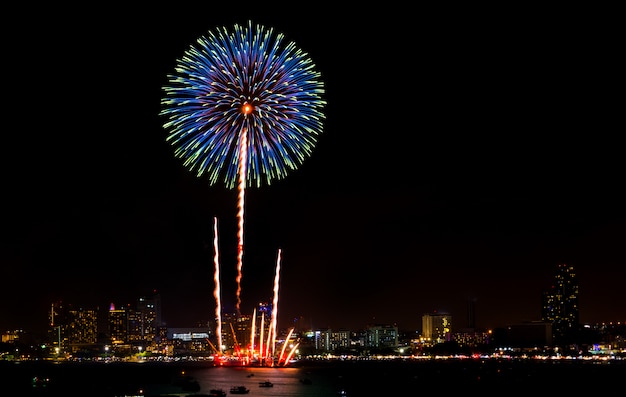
[[40, 382], [239, 390], [217, 393], [267, 383]]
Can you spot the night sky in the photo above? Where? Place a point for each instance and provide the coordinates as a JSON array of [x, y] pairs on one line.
[[465, 154]]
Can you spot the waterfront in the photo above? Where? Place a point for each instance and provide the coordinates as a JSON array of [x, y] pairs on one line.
[[358, 378]]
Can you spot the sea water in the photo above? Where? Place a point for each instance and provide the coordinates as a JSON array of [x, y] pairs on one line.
[[487, 377]]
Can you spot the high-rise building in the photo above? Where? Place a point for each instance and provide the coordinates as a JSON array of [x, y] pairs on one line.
[[560, 304], [381, 336], [72, 329], [436, 327], [83, 328], [328, 340], [118, 325], [142, 322]]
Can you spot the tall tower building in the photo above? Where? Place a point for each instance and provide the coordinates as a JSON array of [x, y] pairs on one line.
[[560, 304], [142, 322], [118, 325]]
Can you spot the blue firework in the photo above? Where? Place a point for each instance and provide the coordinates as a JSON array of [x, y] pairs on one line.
[[248, 80]]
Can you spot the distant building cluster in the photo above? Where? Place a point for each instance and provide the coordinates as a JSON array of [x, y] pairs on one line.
[[140, 330]]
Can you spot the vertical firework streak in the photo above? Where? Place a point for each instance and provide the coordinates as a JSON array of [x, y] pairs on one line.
[[261, 337], [275, 303], [216, 291], [242, 191], [268, 342], [252, 333]]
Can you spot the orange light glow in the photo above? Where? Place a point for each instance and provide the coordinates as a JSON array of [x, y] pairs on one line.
[[247, 108]]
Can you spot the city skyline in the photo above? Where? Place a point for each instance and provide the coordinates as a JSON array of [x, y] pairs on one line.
[[459, 321], [461, 158]]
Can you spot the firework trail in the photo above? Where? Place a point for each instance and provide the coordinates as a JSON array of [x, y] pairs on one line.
[[291, 353], [261, 336], [242, 190], [275, 302], [243, 108], [252, 332], [282, 351], [216, 291], [268, 342]]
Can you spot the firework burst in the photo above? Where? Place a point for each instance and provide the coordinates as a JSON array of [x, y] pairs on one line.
[[243, 81]]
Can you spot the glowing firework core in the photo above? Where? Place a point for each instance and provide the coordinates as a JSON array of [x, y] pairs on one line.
[[247, 109]]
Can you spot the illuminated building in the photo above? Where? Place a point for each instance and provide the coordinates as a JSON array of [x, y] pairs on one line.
[[142, 322], [436, 328], [560, 304], [118, 325], [189, 341], [330, 341], [72, 329], [381, 336]]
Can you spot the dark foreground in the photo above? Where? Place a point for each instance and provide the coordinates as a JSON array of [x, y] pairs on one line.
[[360, 378]]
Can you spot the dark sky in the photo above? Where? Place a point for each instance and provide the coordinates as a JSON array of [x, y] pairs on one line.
[[465, 154]]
